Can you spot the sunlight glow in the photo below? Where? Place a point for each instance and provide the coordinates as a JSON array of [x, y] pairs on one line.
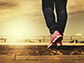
[[16, 30]]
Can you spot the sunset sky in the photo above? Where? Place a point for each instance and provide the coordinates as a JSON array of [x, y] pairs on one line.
[[22, 18]]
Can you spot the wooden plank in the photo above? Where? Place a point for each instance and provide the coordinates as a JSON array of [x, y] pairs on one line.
[[43, 59]]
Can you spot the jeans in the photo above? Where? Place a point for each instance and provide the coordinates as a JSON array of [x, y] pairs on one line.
[[52, 22]]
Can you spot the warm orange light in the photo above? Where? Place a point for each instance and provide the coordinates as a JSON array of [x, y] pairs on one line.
[[16, 30]]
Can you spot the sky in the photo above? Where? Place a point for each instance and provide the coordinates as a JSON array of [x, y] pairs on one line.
[[22, 18]]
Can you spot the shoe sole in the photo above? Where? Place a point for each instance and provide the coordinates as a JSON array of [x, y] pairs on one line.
[[56, 40], [59, 44]]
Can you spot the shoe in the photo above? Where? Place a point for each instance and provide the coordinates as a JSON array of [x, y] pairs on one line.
[[59, 44], [55, 38]]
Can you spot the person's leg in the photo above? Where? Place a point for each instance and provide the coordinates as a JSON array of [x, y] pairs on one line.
[[48, 11], [61, 14]]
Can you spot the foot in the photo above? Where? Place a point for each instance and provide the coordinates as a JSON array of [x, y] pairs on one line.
[[59, 44], [55, 38]]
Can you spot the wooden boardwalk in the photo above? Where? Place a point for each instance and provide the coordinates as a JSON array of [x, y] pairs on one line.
[[42, 59], [41, 54]]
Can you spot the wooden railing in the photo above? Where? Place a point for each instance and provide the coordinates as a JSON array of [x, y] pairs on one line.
[[3, 40], [47, 39]]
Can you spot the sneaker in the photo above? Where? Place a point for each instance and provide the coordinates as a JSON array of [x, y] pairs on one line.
[[55, 38], [59, 44]]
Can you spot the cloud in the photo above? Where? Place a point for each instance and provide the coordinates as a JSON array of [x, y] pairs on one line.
[[77, 13], [6, 5], [75, 5]]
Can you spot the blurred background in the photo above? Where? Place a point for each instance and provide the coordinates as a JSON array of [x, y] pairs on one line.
[[20, 19]]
